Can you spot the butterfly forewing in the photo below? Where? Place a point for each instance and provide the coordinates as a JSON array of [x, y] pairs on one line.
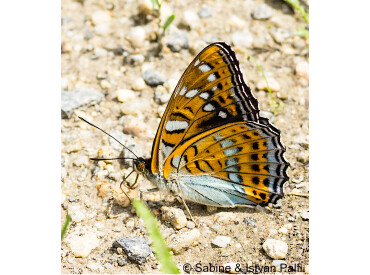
[[211, 92]]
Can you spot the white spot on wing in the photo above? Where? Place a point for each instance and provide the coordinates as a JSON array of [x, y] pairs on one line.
[[222, 114], [166, 150], [174, 125], [183, 90], [211, 77], [231, 151], [196, 62], [234, 177], [214, 88], [204, 68], [176, 161], [204, 95], [226, 143], [191, 93], [208, 107]]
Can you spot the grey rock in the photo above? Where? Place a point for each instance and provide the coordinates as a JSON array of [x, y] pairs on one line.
[[121, 261], [291, 219], [136, 248], [305, 215], [161, 98], [249, 221], [205, 11], [262, 12], [177, 41], [153, 78], [77, 98]]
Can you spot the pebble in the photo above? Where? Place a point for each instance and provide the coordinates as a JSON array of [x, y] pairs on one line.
[[211, 209], [76, 212], [100, 17], [305, 215], [278, 205], [124, 95], [95, 267], [283, 230], [190, 19], [177, 41], [268, 115], [225, 217], [121, 261], [242, 39], [134, 107], [232, 267], [139, 84], [291, 219], [77, 98], [136, 248], [144, 7], [175, 216], [153, 78], [179, 242], [280, 34], [303, 156], [105, 84], [82, 245], [262, 12], [302, 69], [205, 11], [136, 36], [102, 29], [161, 96], [278, 263], [249, 221], [273, 84], [190, 225], [135, 59], [221, 241], [275, 249], [81, 161]]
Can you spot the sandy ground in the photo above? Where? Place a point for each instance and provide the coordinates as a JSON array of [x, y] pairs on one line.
[[99, 53]]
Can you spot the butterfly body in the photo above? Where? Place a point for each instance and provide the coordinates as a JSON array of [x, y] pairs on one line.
[[211, 146]]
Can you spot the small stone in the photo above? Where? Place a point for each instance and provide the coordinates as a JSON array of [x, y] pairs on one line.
[[177, 41], [298, 179], [302, 69], [279, 264], [134, 107], [288, 226], [275, 249], [190, 19], [136, 248], [278, 205], [272, 83], [135, 59], [77, 98], [105, 84], [262, 12], [221, 241], [102, 29], [81, 161], [205, 11], [291, 219], [121, 261], [190, 225], [268, 115], [211, 209], [124, 95], [161, 96], [249, 221], [280, 34], [175, 216], [153, 78], [232, 268], [100, 17], [225, 217], [95, 267], [139, 84], [303, 156], [179, 242], [283, 230], [76, 212], [100, 52], [242, 39], [145, 7], [305, 215], [82, 245], [136, 36]]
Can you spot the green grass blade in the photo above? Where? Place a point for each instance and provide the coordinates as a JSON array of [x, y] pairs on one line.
[[155, 4], [301, 10], [65, 225], [160, 247], [168, 22]]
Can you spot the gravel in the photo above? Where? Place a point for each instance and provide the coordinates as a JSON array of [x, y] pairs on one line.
[[177, 41], [153, 78], [136, 248]]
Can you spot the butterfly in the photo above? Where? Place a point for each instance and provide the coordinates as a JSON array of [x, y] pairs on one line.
[[212, 146]]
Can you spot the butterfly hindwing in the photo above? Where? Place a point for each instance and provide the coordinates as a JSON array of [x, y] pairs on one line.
[[241, 162]]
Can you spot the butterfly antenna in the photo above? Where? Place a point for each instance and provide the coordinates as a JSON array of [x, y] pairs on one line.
[[108, 135]]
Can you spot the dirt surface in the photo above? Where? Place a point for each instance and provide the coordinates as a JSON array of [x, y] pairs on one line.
[[98, 54]]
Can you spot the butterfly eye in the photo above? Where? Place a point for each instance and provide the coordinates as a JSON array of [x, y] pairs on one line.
[[140, 167]]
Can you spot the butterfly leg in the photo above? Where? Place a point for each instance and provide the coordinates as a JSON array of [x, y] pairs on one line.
[[124, 182], [187, 209]]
